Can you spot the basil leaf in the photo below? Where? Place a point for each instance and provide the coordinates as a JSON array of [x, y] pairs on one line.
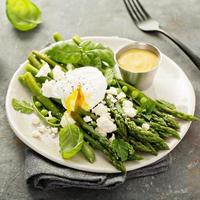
[[71, 141], [22, 106], [122, 148], [23, 14], [65, 53], [104, 53], [90, 59], [83, 53]]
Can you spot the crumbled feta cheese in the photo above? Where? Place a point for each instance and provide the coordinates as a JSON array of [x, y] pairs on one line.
[[112, 138], [49, 114], [54, 130], [121, 95], [35, 120], [87, 119], [103, 102], [41, 128], [146, 126], [53, 135], [100, 109], [58, 74], [112, 91], [49, 89], [66, 119], [111, 98], [130, 112], [44, 70], [36, 134], [106, 115], [48, 130], [106, 124], [127, 104], [100, 131], [70, 67]]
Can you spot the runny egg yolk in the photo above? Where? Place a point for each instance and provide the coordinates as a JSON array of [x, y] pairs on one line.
[[76, 98]]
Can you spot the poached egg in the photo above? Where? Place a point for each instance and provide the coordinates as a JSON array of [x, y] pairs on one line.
[[85, 86]]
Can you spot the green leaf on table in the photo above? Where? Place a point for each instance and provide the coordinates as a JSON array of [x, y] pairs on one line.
[[70, 140], [122, 148], [23, 14], [22, 106]]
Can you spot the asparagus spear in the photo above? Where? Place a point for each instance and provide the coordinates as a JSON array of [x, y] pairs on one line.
[[139, 97], [175, 113], [168, 130], [139, 146], [30, 68], [88, 152], [140, 134], [33, 60], [171, 122], [102, 140], [29, 81], [122, 130], [45, 58], [160, 146], [157, 127], [96, 145]]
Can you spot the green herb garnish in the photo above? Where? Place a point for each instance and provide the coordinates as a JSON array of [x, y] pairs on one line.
[[122, 148], [22, 106], [85, 53], [71, 141]]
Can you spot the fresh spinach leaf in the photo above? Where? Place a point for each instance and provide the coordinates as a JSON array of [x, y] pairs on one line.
[[22, 106], [70, 140], [148, 106], [83, 53], [23, 14], [122, 148], [65, 53]]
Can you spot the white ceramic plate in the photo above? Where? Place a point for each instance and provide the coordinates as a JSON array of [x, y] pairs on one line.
[[170, 84]]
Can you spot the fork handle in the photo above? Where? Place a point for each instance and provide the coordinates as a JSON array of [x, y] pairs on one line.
[[193, 57]]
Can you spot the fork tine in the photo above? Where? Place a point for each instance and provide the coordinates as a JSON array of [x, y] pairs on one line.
[[142, 9], [131, 11], [138, 10]]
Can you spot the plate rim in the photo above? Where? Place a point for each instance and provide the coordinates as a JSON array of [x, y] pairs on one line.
[[49, 156]]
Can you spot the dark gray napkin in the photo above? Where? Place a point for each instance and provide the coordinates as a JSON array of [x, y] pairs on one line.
[[41, 173]]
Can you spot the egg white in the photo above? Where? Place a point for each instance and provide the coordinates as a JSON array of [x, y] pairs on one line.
[[90, 79]]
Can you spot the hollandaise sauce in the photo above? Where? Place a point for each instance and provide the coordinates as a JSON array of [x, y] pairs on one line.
[[138, 60]]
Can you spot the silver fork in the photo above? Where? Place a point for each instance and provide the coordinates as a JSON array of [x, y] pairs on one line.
[[145, 23]]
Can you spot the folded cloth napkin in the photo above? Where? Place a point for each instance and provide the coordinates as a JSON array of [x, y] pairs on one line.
[[41, 173]]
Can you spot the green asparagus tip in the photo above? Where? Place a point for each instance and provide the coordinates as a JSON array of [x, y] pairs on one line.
[[21, 78], [57, 37], [77, 39], [136, 157], [177, 136], [195, 118]]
